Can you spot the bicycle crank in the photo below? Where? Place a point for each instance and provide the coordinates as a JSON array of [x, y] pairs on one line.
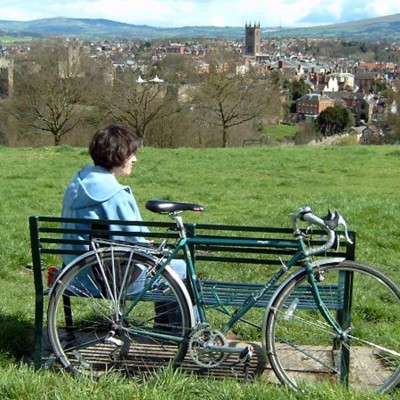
[[209, 348]]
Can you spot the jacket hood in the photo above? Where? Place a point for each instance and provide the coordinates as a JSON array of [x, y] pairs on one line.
[[92, 185]]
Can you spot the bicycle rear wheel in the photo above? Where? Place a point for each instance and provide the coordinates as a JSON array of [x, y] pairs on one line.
[[365, 303], [92, 328]]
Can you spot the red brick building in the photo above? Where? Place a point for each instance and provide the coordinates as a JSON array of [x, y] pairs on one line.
[[311, 105]]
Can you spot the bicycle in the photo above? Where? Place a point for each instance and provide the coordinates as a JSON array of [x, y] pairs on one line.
[[133, 312]]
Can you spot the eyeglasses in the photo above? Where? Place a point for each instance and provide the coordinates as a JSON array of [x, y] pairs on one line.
[[131, 159]]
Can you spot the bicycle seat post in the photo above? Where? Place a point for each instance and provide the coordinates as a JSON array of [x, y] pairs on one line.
[[179, 224]]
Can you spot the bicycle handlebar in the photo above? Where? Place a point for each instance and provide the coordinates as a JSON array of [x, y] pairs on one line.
[[329, 224]]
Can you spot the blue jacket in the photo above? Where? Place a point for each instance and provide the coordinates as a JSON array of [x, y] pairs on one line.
[[96, 194]]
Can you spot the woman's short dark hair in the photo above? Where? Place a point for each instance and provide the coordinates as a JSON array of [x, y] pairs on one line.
[[112, 146]]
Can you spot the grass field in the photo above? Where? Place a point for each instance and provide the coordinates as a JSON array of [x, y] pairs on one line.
[[254, 186], [7, 40], [281, 131]]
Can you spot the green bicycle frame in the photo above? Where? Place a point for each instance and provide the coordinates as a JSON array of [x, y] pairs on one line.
[[184, 244]]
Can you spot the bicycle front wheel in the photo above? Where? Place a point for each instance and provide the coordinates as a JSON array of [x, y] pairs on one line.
[[365, 304], [98, 319]]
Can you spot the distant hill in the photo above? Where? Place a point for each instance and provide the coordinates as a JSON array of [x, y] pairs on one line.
[[85, 28], [382, 28]]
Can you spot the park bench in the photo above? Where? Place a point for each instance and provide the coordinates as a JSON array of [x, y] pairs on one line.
[[46, 234]]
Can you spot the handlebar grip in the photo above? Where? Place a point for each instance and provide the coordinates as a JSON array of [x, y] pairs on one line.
[[329, 224], [314, 219]]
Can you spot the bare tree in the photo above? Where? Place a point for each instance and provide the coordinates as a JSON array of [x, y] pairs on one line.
[[51, 90], [179, 68], [139, 103], [390, 123], [226, 100]]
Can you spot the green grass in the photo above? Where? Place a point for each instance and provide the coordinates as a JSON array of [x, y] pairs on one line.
[[254, 186], [281, 131], [167, 385], [14, 39]]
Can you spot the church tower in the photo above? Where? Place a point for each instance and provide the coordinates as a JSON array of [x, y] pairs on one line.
[[6, 77], [253, 39]]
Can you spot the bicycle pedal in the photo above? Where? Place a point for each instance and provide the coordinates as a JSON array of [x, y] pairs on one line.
[[114, 341], [111, 339], [245, 355]]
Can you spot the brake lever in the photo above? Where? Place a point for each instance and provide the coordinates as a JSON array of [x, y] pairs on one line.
[[333, 220], [346, 232]]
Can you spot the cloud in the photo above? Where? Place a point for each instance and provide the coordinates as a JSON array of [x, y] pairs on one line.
[[174, 13], [346, 10]]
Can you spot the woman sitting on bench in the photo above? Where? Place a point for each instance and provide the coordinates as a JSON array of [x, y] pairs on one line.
[[95, 192]]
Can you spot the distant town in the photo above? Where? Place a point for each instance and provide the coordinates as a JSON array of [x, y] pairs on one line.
[[357, 75]]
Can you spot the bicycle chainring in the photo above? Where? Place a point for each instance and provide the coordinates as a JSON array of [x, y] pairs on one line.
[[203, 337]]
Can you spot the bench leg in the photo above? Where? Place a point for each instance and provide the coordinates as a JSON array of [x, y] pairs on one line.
[[69, 323], [38, 333], [167, 315]]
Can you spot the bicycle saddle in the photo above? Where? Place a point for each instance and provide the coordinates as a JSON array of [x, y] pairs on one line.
[[166, 207]]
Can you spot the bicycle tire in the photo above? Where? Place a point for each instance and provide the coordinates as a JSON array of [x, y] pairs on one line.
[[302, 347], [88, 331]]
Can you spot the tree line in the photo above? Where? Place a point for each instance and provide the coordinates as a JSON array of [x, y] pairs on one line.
[[60, 90]]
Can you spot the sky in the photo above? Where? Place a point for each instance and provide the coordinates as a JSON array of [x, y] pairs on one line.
[[178, 13]]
